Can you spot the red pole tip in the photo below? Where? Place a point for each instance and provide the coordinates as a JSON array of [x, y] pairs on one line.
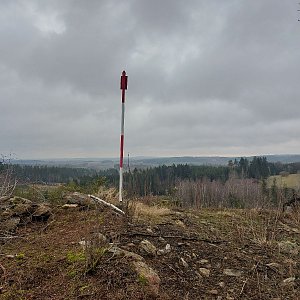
[[123, 84]]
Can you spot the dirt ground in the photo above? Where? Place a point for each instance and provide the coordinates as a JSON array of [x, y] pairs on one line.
[[47, 260]]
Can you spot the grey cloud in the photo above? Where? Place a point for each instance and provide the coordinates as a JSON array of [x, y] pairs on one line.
[[205, 77]]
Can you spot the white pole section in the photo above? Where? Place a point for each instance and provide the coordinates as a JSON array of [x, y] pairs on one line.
[[123, 88]]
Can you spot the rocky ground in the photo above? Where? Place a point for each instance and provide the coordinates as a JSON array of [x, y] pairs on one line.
[[86, 251]]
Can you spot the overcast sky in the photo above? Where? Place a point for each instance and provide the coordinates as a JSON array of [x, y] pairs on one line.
[[205, 77]]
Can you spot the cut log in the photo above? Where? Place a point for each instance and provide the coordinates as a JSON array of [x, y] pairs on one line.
[[118, 210]]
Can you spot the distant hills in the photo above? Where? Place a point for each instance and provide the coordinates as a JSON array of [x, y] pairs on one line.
[[144, 162]]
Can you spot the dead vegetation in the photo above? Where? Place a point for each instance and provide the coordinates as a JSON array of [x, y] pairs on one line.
[[8, 181]]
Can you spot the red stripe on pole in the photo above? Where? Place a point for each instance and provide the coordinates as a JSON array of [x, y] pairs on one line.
[[121, 151], [123, 96]]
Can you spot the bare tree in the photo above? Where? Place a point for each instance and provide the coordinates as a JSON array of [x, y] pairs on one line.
[[8, 180], [234, 193]]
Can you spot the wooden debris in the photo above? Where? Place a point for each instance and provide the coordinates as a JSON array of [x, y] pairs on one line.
[[118, 210]]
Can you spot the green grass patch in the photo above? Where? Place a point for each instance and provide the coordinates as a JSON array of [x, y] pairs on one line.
[[73, 257]]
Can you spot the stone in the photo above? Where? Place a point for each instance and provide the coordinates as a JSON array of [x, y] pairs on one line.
[[23, 209], [121, 253], [4, 198], [145, 274], [149, 230], [6, 214], [232, 272], [205, 272], [69, 206], [180, 244], [288, 247], [160, 252], [164, 251], [43, 212], [10, 224], [149, 276], [97, 240], [213, 292], [148, 248], [16, 207], [179, 223], [161, 240], [204, 261], [78, 198], [168, 248], [84, 244], [221, 284], [19, 200], [19, 211]]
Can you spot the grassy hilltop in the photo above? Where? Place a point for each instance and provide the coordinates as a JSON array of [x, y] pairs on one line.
[[290, 181], [156, 252]]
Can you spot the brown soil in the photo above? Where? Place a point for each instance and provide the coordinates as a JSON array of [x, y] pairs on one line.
[[49, 262]]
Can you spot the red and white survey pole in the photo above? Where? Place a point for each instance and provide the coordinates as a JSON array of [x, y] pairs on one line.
[[123, 87]]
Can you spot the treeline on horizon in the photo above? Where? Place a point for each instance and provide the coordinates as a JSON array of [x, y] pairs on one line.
[[162, 180], [53, 175], [159, 180]]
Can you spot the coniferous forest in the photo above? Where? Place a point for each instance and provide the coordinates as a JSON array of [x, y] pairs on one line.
[[161, 180]]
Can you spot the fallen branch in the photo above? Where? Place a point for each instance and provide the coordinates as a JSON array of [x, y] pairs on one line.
[[46, 227], [187, 238], [118, 210], [243, 287], [171, 268], [8, 237]]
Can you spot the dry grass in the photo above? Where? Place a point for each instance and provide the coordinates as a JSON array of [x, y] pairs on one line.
[[151, 214], [108, 194], [295, 217], [226, 213], [261, 227]]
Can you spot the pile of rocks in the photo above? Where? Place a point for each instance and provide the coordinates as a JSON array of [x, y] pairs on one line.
[[15, 211]]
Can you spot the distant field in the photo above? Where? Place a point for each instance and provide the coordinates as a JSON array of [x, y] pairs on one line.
[[290, 181]]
